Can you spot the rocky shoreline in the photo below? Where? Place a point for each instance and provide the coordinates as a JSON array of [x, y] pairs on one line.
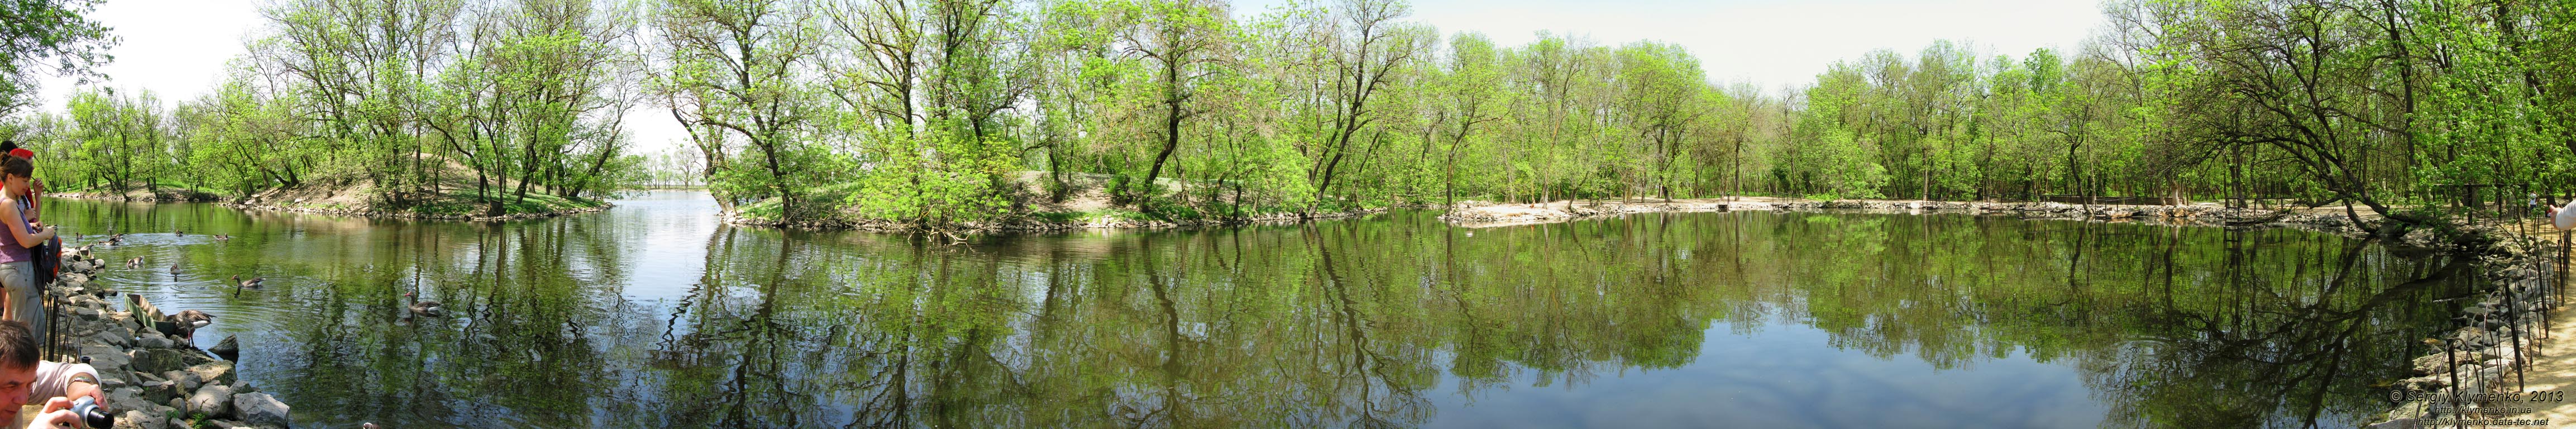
[[153, 379], [256, 204], [1481, 215], [163, 196], [2475, 369], [517, 216]]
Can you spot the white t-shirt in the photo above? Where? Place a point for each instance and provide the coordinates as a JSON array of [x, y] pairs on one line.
[[52, 378]]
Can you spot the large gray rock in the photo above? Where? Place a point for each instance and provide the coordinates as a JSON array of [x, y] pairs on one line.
[[139, 419], [212, 400], [130, 398], [179, 422], [162, 391], [117, 323], [111, 337], [155, 342], [261, 410], [107, 358], [229, 348], [217, 372], [158, 360], [186, 381]]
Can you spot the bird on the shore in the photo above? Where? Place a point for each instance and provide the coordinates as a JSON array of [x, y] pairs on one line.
[[248, 284], [424, 308], [193, 318], [189, 320]]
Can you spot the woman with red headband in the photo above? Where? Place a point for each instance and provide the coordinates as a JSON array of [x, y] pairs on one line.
[[17, 257], [24, 269], [27, 204]]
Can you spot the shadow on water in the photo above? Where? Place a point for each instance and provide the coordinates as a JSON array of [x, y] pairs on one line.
[[651, 315]]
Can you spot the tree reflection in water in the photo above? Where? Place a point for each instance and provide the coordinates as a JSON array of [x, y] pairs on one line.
[[1375, 322], [1354, 323]]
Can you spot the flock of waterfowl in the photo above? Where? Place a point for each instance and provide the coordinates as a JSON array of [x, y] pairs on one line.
[[189, 320]]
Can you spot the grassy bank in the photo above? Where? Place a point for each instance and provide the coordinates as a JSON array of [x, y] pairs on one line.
[[166, 192]]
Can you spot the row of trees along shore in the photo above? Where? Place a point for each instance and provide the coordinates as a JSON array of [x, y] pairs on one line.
[[942, 113]]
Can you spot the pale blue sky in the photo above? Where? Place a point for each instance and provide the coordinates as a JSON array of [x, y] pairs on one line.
[[1773, 43], [177, 48]]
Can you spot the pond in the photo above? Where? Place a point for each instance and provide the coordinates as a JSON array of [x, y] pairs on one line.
[[654, 315]]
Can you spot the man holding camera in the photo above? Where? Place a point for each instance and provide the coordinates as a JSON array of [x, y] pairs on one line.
[[26, 381]]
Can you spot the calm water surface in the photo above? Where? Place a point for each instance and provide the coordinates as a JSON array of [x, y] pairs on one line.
[[653, 315]]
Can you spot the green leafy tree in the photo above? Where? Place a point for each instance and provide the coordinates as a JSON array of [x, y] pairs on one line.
[[737, 71], [50, 37]]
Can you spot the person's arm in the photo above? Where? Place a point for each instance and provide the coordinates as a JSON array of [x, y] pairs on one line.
[[67, 380], [86, 384], [17, 226]]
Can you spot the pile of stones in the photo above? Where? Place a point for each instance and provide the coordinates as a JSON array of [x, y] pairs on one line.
[[154, 375]]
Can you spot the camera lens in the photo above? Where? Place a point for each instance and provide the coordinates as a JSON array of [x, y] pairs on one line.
[[90, 415]]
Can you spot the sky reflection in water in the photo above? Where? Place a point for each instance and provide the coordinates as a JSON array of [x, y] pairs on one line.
[[652, 315]]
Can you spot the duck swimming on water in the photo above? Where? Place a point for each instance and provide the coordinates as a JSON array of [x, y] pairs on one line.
[[424, 308]]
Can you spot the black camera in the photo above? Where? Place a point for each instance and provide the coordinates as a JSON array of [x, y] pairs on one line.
[[90, 415]]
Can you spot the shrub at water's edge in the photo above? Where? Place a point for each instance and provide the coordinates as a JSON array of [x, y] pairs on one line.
[[1029, 200]]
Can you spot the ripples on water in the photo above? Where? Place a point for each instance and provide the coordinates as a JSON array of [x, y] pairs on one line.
[[652, 315]]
